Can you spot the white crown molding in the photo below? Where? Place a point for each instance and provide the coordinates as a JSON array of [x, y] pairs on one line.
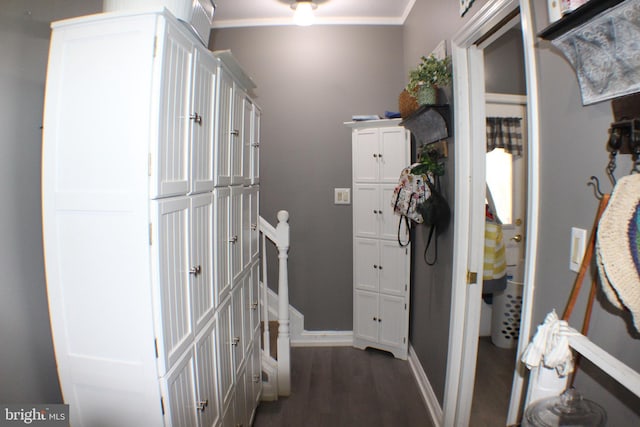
[[279, 22]]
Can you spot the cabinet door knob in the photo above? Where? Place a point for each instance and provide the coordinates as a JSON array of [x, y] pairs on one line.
[[375, 266], [254, 227], [235, 132], [256, 378], [379, 319], [235, 341], [375, 156], [380, 155], [195, 270], [255, 144], [253, 305], [196, 118], [379, 267], [375, 318], [202, 405], [234, 239]]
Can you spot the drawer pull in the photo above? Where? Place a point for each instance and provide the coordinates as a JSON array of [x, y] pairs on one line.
[[195, 270], [196, 118]]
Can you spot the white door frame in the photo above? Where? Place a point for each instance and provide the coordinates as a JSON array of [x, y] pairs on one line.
[[470, 128]]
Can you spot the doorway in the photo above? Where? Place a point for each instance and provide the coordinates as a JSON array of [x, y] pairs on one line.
[[470, 128]]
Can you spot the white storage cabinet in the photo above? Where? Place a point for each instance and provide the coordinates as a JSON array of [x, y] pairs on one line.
[[141, 278], [380, 150]]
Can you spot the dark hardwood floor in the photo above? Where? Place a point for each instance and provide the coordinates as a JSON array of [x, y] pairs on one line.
[[494, 374], [346, 387]]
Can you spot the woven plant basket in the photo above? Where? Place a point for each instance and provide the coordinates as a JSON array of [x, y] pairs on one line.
[[407, 104]]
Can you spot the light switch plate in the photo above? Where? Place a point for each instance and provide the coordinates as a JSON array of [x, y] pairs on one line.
[[342, 196], [578, 246]]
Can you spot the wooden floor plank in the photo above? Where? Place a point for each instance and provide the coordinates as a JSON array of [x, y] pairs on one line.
[[344, 386]]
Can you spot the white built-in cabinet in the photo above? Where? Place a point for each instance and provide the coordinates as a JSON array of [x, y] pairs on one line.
[[380, 150], [150, 216]]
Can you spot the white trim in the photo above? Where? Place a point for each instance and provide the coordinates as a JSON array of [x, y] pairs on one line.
[[533, 181], [505, 98], [428, 395], [323, 339], [468, 65], [407, 10], [267, 22], [303, 338]]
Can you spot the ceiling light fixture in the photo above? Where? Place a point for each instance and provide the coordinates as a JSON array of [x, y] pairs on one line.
[[303, 15]]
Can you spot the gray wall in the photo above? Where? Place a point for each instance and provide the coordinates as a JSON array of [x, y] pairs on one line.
[[27, 364], [504, 64], [310, 81], [430, 22], [573, 140]]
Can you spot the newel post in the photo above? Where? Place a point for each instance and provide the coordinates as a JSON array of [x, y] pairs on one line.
[[284, 339]]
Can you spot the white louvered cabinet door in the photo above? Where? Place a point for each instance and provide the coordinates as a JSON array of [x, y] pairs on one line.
[[388, 220], [246, 227], [365, 316], [255, 144], [222, 152], [207, 402], [255, 297], [179, 391], [393, 268], [365, 156], [222, 278], [247, 138], [226, 368], [235, 233], [392, 315], [237, 326], [237, 135], [200, 259], [171, 159], [366, 255], [366, 208], [202, 120], [170, 246], [254, 222], [256, 371], [394, 153]]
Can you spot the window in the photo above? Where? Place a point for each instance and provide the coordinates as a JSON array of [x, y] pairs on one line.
[[500, 182]]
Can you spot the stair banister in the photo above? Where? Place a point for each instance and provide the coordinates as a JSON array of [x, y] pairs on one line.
[[266, 336], [284, 336], [280, 236]]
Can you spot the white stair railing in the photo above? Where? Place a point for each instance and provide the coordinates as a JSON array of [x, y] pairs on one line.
[[279, 235]]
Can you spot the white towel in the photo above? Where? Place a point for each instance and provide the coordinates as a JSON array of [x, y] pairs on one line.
[[550, 346]]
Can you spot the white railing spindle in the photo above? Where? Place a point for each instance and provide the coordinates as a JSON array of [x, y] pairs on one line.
[[284, 336], [280, 236], [266, 339]]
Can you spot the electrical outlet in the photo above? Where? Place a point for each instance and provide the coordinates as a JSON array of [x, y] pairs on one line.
[[578, 246], [342, 196]]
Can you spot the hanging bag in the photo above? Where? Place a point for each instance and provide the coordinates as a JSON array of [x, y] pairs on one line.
[[436, 213], [410, 193]]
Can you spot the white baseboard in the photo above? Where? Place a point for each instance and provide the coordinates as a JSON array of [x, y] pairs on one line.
[[323, 339], [302, 338], [428, 395]]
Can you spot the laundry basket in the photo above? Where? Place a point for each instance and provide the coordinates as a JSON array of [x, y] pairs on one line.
[[505, 316]]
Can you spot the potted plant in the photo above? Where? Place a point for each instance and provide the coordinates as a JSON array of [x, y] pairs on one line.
[[430, 74]]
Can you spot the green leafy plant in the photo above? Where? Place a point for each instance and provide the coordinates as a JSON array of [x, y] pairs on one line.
[[430, 161], [431, 71]]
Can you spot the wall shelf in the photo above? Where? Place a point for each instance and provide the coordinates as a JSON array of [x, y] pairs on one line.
[[429, 123], [576, 18]]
